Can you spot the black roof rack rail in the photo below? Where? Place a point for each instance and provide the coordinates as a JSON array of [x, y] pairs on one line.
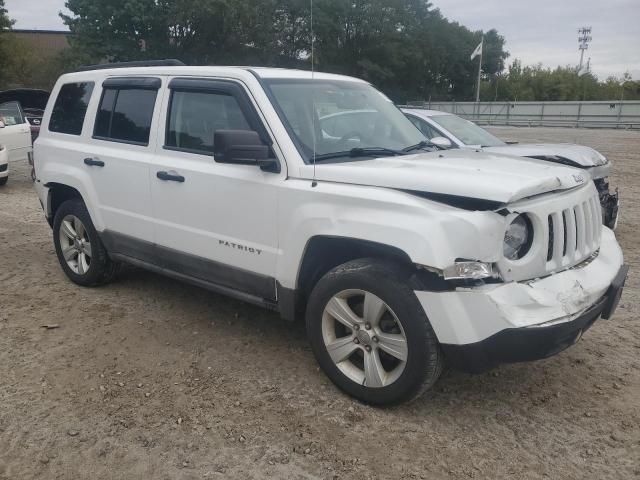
[[142, 63]]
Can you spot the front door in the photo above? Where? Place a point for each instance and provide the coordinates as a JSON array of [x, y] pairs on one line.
[[215, 222], [15, 135]]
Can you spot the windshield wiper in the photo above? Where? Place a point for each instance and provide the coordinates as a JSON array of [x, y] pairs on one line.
[[421, 145], [360, 152]]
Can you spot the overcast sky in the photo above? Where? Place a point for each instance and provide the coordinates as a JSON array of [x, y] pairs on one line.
[[542, 31]]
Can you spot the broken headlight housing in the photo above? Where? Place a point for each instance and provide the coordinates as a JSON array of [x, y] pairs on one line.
[[518, 238], [468, 270]]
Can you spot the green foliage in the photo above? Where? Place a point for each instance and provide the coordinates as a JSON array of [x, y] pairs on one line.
[[536, 83], [405, 47], [5, 21], [5, 24], [24, 66], [20, 64]]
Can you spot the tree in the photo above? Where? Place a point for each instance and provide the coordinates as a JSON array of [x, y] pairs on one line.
[[536, 83], [5, 24], [405, 47]]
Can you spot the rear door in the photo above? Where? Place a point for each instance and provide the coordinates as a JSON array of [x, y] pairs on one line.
[[16, 133], [118, 159]]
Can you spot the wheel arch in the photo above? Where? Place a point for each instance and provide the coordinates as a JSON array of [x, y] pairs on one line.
[[325, 252], [57, 194]]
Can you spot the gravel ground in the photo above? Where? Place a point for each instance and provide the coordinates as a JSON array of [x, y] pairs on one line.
[[150, 378]]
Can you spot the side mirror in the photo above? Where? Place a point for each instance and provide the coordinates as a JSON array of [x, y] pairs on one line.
[[242, 147], [441, 142]]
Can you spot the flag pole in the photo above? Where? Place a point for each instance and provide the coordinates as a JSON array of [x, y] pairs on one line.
[[479, 70]]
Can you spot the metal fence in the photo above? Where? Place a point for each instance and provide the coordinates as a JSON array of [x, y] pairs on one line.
[[609, 114]]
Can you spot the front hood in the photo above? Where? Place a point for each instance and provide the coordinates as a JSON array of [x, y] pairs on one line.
[[474, 175], [578, 155]]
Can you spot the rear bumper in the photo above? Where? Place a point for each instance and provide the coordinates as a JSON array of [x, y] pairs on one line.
[[533, 343], [483, 326]]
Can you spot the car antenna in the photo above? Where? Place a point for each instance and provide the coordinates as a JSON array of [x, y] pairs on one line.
[[314, 183]]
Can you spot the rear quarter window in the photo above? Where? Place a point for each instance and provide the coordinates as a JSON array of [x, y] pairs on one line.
[[70, 108]]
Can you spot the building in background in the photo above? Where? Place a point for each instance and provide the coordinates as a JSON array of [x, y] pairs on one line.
[[48, 42]]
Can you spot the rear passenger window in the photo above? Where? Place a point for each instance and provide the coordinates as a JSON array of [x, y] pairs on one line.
[[195, 116], [70, 108], [125, 115]]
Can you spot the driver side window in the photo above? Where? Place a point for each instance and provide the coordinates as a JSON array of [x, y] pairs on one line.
[[195, 116]]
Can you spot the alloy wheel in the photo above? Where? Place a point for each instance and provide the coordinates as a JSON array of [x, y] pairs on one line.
[[75, 244], [364, 338]]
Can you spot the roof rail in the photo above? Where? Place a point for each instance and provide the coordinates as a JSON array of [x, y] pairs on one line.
[[142, 63]]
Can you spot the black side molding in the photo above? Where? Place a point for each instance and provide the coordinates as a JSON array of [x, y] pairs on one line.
[[206, 273]]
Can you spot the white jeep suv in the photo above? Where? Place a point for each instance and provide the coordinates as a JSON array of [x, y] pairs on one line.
[[400, 258]]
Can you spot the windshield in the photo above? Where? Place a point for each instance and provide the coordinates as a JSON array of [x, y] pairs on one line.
[[468, 132], [344, 116]]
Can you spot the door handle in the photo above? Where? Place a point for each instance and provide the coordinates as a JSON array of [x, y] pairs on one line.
[[92, 162], [170, 177]]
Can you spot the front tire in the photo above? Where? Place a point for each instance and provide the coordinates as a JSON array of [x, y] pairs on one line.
[[79, 248], [371, 335], [3, 181]]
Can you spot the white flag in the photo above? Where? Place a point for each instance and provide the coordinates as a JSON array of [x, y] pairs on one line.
[[477, 51]]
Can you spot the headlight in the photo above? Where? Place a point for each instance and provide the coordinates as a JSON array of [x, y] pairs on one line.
[[467, 270], [518, 238]]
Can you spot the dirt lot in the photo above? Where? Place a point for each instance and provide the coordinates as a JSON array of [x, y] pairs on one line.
[[150, 378]]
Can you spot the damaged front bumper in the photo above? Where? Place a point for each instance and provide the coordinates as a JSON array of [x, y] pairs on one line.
[[610, 206], [610, 203], [484, 326]]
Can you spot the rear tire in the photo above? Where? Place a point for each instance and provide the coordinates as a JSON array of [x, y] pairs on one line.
[[3, 181], [79, 248], [390, 343]]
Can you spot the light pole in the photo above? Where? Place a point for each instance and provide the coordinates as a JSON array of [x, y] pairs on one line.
[[584, 37]]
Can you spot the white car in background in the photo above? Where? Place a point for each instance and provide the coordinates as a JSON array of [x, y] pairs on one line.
[[15, 137], [451, 131], [4, 165]]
